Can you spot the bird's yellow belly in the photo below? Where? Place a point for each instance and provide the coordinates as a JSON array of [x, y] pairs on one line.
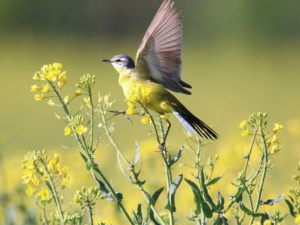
[[153, 96]]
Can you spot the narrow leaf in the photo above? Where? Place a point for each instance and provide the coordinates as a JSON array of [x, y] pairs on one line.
[[197, 196], [137, 153], [153, 200], [177, 157], [273, 201], [171, 195], [291, 207], [85, 159], [221, 201], [248, 211], [213, 181], [205, 192]]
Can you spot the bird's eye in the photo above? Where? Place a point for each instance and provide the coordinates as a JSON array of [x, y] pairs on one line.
[[118, 60]]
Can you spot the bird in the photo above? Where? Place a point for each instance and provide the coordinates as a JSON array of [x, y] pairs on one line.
[[157, 70]]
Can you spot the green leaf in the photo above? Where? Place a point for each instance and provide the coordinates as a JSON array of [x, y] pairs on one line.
[[171, 195], [205, 192], [85, 159], [177, 157], [200, 203], [220, 202], [291, 207], [137, 153], [248, 211], [197, 196], [273, 201], [138, 216], [239, 195], [153, 200], [213, 181]]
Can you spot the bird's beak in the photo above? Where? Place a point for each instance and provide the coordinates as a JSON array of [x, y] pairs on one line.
[[106, 60]]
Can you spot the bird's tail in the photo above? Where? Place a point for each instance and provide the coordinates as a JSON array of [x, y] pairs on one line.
[[192, 124]]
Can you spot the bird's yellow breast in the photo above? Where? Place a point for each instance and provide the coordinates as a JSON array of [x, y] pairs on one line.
[[152, 95]]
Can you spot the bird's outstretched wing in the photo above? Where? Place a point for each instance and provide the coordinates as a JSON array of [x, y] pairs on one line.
[[159, 56]]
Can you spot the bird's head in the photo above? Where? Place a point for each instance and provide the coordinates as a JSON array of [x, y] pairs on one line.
[[121, 62]]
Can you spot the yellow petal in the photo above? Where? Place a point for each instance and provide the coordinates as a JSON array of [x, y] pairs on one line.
[[57, 66], [35, 88], [30, 190], [39, 97], [145, 119], [46, 88], [275, 139], [80, 129], [77, 92], [245, 132], [277, 127], [51, 103], [243, 124], [68, 131]]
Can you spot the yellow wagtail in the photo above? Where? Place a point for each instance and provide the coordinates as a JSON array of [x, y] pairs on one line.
[[157, 67]]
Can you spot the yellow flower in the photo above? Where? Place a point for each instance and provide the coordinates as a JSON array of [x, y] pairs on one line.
[[27, 176], [77, 92], [275, 139], [36, 76], [46, 88], [145, 119], [243, 124], [275, 148], [87, 100], [45, 177], [165, 116], [267, 222], [57, 66], [30, 190], [62, 80], [66, 99], [80, 129], [245, 132], [277, 127], [297, 219], [39, 97], [68, 131], [35, 88], [131, 111], [35, 181], [51, 103], [44, 194], [56, 158], [64, 183]]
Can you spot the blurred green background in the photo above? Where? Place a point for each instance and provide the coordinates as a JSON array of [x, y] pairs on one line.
[[240, 57]]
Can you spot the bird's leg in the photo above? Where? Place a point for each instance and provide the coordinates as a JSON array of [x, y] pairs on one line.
[[162, 145]]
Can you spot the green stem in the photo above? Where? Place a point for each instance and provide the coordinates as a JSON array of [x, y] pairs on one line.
[[91, 215], [263, 176], [109, 135], [167, 169], [246, 167], [92, 118], [52, 188]]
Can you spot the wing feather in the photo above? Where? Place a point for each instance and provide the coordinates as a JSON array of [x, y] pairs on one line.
[[159, 56]]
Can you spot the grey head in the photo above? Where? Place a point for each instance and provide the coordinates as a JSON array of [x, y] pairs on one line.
[[121, 61]]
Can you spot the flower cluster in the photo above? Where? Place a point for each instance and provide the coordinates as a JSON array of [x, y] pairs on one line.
[[53, 76], [257, 121], [75, 125], [87, 197], [41, 174]]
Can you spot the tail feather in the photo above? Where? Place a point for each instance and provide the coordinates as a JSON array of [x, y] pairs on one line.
[[192, 124]]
